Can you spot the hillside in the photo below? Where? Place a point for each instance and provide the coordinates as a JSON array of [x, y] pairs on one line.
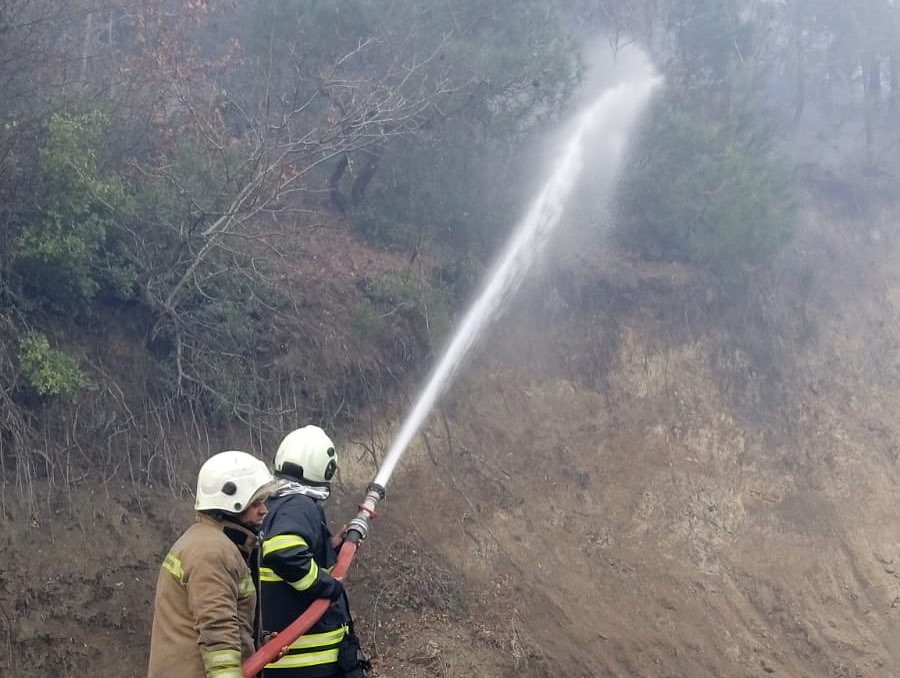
[[639, 475], [655, 484], [673, 456]]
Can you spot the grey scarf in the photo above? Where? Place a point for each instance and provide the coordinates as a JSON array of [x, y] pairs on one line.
[[292, 487]]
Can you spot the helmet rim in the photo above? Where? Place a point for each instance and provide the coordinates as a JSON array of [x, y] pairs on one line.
[[231, 481]]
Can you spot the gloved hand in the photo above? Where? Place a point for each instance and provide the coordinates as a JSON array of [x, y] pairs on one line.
[[267, 636], [338, 539], [337, 591]]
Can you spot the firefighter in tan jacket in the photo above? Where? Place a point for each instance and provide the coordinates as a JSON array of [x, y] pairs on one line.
[[205, 616]]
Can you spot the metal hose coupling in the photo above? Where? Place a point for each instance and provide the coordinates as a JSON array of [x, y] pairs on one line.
[[358, 528]]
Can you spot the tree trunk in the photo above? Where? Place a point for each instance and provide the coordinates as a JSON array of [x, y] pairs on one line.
[[800, 101], [87, 43], [874, 76], [868, 107], [373, 158], [338, 199], [894, 80]]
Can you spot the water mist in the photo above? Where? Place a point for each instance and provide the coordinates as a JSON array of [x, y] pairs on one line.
[[602, 128], [613, 114]]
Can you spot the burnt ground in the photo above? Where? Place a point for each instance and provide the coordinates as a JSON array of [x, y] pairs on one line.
[[641, 474]]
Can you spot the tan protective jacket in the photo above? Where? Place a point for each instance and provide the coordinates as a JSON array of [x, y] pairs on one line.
[[205, 606]]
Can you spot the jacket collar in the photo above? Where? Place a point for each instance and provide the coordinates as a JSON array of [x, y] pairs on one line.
[[242, 537], [317, 492]]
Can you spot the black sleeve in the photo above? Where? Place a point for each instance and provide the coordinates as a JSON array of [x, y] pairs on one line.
[[289, 549]]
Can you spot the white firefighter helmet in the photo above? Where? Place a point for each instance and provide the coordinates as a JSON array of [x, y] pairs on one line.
[[308, 455], [231, 481]]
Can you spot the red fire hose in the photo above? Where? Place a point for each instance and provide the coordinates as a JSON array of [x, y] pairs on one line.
[[357, 530]]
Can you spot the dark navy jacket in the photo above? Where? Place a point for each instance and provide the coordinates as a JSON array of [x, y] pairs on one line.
[[296, 558]]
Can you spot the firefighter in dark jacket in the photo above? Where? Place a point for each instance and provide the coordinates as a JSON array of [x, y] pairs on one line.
[[298, 552]]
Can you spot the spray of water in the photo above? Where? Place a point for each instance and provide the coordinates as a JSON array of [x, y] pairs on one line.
[[612, 114]]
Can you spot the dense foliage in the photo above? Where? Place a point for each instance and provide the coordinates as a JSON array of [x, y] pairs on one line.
[[161, 161], [703, 183]]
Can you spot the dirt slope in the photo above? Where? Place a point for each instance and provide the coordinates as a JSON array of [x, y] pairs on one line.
[[650, 480], [637, 476]]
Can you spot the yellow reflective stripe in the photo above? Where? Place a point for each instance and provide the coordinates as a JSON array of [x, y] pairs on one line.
[[313, 640], [222, 663], [282, 541], [268, 574], [230, 672], [297, 661], [172, 565], [226, 673], [246, 588], [309, 579]]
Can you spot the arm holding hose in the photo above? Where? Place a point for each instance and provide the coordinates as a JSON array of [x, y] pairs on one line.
[[357, 530]]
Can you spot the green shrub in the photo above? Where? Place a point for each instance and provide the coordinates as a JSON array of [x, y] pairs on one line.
[[59, 250], [381, 228], [396, 288], [704, 192], [49, 372], [428, 308], [461, 276]]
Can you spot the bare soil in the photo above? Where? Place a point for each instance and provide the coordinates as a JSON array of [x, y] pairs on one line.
[[639, 475]]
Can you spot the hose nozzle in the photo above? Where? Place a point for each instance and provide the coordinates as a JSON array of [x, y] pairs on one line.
[[358, 528]]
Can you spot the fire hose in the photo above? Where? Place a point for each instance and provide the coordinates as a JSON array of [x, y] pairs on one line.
[[357, 530]]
